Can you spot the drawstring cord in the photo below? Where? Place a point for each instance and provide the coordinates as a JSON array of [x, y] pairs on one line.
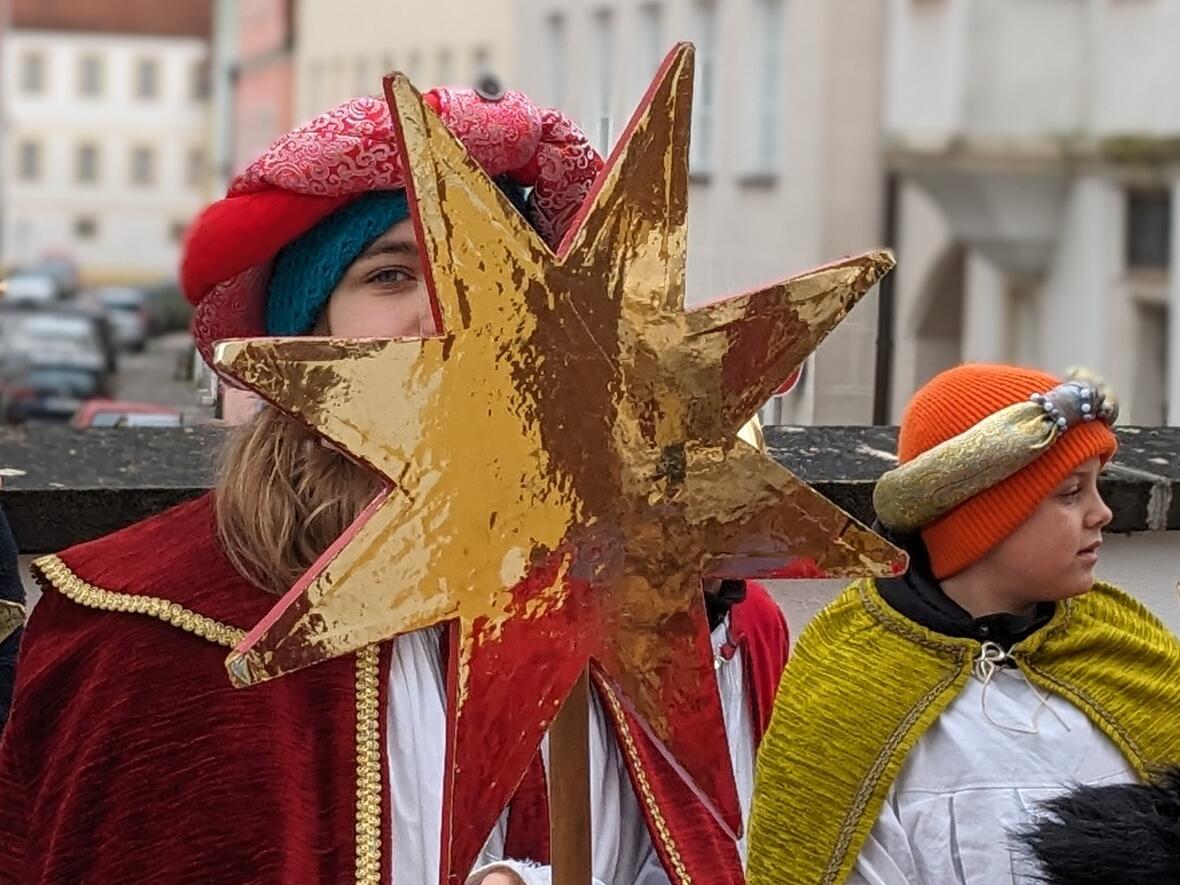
[[987, 663]]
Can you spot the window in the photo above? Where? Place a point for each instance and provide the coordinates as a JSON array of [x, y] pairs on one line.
[[704, 99], [147, 78], [86, 164], [28, 162], [90, 75], [446, 68], [558, 58], [361, 84], [1149, 404], [143, 165], [767, 116], [195, 171], [1149, 229], [85, 227], [1023, 315], [315, 87], [259, 129], [32, 73], [200, 80], [652, 49], [604, 35], [481, 64]]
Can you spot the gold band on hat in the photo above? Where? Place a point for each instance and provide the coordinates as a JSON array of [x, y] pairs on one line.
[[920, 491]]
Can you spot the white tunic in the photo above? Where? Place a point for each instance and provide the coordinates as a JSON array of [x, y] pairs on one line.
[[622, 851], [975, 778]]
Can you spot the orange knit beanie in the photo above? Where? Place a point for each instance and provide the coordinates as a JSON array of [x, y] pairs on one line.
[[958, 399]]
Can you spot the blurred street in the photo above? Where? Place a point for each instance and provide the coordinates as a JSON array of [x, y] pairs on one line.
[[149, 377], [152, 377]]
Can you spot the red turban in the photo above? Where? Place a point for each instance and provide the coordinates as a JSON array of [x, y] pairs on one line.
[[315, 169]]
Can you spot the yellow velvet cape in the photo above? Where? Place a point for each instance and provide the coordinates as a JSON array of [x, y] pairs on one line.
[[865, 683]]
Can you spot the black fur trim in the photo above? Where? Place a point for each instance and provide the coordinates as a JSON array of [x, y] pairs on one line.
[[1110, 835]]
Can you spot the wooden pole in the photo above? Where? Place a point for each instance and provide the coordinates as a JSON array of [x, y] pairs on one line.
[[569, 788]]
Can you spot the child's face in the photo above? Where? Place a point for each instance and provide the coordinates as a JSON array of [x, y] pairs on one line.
[[1052, 555], [383, 293]]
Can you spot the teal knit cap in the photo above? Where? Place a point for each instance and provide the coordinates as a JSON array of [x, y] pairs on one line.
[[307, 270]]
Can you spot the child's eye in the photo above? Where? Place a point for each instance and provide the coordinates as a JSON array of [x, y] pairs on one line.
[[387, 276], [1072, 493]]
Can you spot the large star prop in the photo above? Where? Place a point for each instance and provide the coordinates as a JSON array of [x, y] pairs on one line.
[[563, 463]]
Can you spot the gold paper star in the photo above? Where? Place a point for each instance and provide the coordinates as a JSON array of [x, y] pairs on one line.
[[564, 464]]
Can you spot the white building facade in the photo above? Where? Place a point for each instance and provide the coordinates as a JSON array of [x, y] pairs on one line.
[[1038, 145], [104, 150], [786, 151], [343, 48]]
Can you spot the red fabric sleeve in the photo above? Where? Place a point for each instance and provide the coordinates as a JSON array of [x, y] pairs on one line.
[[759, 627]]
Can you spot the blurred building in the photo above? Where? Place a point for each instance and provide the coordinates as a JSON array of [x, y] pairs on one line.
[[254, 80], [104, 108], [1037, 143], [345, 47], [786, 150]]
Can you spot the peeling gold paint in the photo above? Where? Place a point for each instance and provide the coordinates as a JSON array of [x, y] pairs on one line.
[[572, 412]]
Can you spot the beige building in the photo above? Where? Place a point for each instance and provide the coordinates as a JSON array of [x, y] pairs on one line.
[[344, 47], [786, 151], [104, 110], [1037, 145], [772, 194]]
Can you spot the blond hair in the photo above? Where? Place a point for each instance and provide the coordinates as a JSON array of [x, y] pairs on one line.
[[282, 498]]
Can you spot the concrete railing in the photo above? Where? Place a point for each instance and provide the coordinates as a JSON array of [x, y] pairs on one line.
[[63, 486]]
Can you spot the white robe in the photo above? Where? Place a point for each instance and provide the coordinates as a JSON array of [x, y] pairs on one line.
[[622, 850], [976, 777]]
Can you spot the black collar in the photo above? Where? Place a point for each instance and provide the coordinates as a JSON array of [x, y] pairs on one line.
[[718, 604], [917, 595]]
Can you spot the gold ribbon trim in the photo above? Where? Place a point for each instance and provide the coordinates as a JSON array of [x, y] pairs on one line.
[[368, 736], [939, 480]]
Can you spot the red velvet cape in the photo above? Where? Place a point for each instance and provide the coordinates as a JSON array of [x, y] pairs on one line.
[[128, 756]]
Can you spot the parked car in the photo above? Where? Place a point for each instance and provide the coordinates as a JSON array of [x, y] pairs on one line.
[[61, 336], [120, 413], [31, 288], [49, 392], [60, 268], [168, 310], [94, 314], [126, 309]]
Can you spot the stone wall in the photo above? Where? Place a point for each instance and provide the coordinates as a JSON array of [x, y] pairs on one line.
[[62, 486]]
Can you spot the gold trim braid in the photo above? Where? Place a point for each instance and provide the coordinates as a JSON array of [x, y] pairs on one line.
[[58, 575], [368, 767], [646, 794]]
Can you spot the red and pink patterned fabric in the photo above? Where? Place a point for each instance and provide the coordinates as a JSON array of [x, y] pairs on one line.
[[319, 167]]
